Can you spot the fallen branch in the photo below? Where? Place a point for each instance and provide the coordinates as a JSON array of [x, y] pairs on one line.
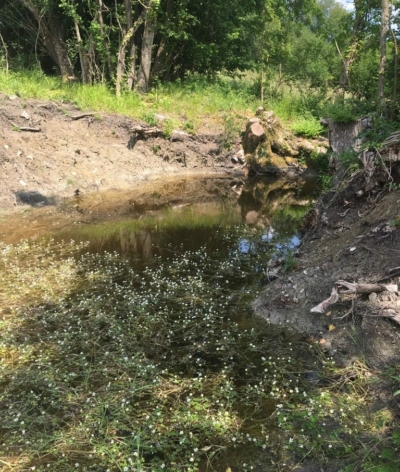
[[343, 287], [323, 306], [364, 288], [83, 115], [26, 128]]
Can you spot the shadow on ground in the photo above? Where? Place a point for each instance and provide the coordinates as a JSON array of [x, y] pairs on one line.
[[34, 199]]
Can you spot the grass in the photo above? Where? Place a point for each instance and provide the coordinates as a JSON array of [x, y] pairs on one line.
[[225, 103], [192, 103], [105, 368]]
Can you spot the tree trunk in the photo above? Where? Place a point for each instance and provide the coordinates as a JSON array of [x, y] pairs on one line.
[[396, 60], [120, 66], [132, 70], [86, 77], [128, 35], [382, 62], [105, 42], [351, 52], [162, 59], [146, 52], [50, 29]]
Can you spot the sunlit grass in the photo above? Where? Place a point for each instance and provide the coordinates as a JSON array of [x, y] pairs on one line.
[[196, 102], [193, 101]]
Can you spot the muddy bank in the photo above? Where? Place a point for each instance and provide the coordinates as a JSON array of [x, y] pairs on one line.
[[97, 207], [351, 238], [351, 235], [52, 151]]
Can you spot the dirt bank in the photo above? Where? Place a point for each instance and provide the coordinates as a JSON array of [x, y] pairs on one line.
[[355, 239], [66, 153]]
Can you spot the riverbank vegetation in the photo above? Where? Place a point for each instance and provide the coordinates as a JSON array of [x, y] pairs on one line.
[[302, 59]]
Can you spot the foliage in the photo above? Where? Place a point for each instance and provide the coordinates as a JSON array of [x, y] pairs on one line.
[[290, 261], [308, 127], [194, 101], [320, 162], [349, 159], [326, 181], [149, 118], [233, 125], [341, 111]]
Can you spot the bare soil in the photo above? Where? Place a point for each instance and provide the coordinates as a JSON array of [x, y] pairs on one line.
[[355, 239], [91, 154], [84, 169]]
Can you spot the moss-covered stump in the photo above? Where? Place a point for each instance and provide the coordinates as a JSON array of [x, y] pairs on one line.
[[269, 148]]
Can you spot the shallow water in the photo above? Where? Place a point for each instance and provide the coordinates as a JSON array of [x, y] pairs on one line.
[[225, 243], [271, 209], [165, 306]]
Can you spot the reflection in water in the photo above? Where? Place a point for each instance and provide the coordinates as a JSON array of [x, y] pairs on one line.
[[274, 207]]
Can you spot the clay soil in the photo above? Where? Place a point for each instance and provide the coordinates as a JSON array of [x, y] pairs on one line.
[[95, 167]]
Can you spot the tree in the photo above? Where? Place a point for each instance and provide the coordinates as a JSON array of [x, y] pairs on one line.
[[383, 38], [50, 28]]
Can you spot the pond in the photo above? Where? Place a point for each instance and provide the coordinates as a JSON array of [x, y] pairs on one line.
[[142, 353]]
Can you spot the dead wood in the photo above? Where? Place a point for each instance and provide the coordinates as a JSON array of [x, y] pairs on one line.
[[83, 115], [345, 288], [364, 288], [392, 273], [26, 128], [143, 132], [323, 306], [392, 314]]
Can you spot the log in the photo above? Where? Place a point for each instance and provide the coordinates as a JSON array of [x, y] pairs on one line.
[[254, 135], [364, 288], [343, 287], [143, 132]]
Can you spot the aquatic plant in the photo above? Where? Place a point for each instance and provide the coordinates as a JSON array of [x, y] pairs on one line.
[[110, 368]]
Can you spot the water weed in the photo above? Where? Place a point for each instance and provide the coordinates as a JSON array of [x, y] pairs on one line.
[[121, 369], [107, 367]]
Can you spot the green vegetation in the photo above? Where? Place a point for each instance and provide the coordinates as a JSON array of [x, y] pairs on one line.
[[105, 367], [186, 106], [308, 127], [349, 160], [307, 57]]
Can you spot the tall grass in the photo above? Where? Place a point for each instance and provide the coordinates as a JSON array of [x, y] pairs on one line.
[[195, 99]]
